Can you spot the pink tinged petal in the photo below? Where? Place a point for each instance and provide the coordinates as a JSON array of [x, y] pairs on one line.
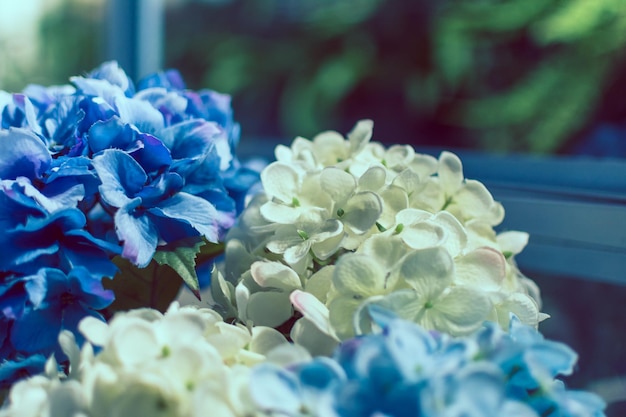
[[512, 241], [450, 172], [360, 135], [275, 275], [280, 181], [460, 311], [428, 271], [269, 308], [337, 183], [312, 309], [362, 211], [373, 179], [483, 268]]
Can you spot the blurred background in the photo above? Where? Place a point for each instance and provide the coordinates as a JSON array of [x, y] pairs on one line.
[[505, 77]]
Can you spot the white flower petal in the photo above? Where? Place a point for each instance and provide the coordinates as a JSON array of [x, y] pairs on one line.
[[280, 181], [362, 211], [460, 311], [316, 342], [429, 271], [359, 275], [483, 268], [395, 199], [337, 183], [450, 172], [94, 330], [275, 275], [360, 135], [422, 235], [269, 308], [512, 241], [373, 179], [264, 339], [473, 199], [341, 312], [319, 283]]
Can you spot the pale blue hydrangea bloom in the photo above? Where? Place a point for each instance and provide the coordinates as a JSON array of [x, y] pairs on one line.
[[404, 370]]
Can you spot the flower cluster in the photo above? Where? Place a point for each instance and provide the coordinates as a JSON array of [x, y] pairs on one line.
[[405, 370], [190, 363], [187, 362], [345, 223], [100, 169]]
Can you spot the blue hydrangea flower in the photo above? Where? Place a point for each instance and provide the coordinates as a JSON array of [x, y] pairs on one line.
[[97, 169], [56, 301], [403, 370], [14, 370]]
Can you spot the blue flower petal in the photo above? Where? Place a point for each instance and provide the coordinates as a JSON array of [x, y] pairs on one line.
[[111, 133], [37, 330], [89, 289], [122, 177], [14, 370], [152, 154], [138, 234], [199, 213], [170, 79], [110, 71], [162, 188], [275, 390], [23, 154]]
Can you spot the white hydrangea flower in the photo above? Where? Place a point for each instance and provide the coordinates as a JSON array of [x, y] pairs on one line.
[[345, 222], [183, 363]]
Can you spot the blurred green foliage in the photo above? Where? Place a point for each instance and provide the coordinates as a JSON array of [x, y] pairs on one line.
[[507, 75], [69, 43]]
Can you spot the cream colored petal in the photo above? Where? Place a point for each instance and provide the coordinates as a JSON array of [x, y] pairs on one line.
[[275, 275], [483, 269], [269, 308], [280, 181]]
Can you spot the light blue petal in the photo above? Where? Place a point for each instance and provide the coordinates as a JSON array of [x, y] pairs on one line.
[[22, 154], [196, 211], [138, 234], [122, 177]]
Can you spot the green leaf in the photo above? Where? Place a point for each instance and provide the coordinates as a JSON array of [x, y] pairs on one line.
[[158, 284]]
